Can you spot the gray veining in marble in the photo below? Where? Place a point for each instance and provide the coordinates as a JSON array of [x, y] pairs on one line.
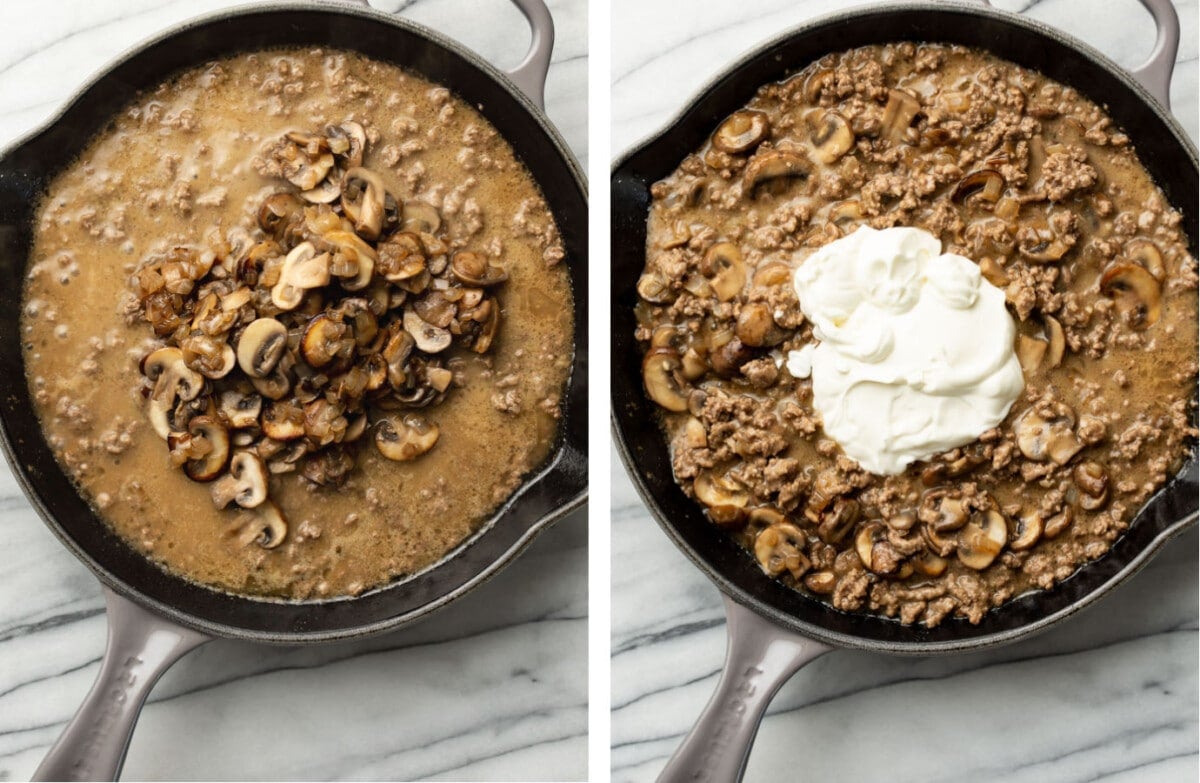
[[1111, 695], [493, 688]]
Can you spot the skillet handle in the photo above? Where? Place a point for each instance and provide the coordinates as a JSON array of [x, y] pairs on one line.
[[759, 659], [141, 646], [1155, 73], [530, 73]]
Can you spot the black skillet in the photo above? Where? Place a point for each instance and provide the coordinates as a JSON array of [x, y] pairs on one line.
[[155, 617], [773, 630]]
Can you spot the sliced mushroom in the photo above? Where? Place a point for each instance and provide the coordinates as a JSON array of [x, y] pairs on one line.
[[1030, 352], [306, 172], [1056, 524], [206, 445], [987, 184], [474, 269], [982, 540], [943, 510], [283, 421], [780, 549], [352, 246], [741, 131], [420, 218], [324, 340], [363, 196], [930, 564], [837, 523], [770, 165], [663, 379], [655, 288], [830, 134], [269, 527], [278, 212], [348, 142], [756, 327], [898, 115], [429, 338], [1148, 256], [404, 440], [844, 212], [173, 380], [245, 484], [1136, 292], [401, 257], [240, 411], [1041, 244], [260, 347], [876, 554], [1048, 437], [1058, 341], [395, 355], [1092, 480], [725, 270], [715, 491], [303, 268], [1026, 531], [821, 582], [274, 386]]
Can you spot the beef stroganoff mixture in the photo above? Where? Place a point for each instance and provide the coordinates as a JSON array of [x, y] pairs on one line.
[[297, 322], [922, 329]]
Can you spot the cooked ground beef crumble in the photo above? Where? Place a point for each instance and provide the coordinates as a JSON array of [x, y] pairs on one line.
[[1024, 176]]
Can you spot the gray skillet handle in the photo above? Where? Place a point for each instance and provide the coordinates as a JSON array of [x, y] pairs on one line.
[[759, 659], [141, 646], [1155, 73], [530, 74]]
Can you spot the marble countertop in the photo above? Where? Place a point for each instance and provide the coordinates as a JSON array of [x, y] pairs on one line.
[[492, 688], [1110, 695]]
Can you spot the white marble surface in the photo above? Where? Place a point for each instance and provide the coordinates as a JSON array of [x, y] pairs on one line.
[[493, 688], [1110, 695]]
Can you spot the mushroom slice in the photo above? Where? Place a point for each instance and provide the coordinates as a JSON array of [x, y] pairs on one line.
[[899, 113], [347, 141], [1092, 480], [821, 582], [244, 484], [981, 541], [352, 245], [930, 564], [171, 375], [1030, 352], [303, 268], [363, 197], [770, 165], [1056, 524], [1040, 245], [1146, 253], [278, 211], [260, 347], [324, 340], [756, 328], [420, 218], [1058, 341], [1048, 437], [1136, 292], [988, 184], [306, 172], [401, 257], [741, 131], [269, 527], [207, 448], [407, 439], [1025, 532], [873, 551], [274, 386], [394, 355], [655, 288], [663, 379], [329, 191], [240, 411], [283, 421], [780, 549], [429, 338], [830, 134], [838, 522], [474, 269], [843, 212], [715, 491], [725, 270], [208, 356]]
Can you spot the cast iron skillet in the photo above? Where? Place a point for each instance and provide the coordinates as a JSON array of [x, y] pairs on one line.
[[155, 617], [772, 629]]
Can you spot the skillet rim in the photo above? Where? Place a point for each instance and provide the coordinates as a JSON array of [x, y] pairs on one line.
[[1184, 481], [562, 474]]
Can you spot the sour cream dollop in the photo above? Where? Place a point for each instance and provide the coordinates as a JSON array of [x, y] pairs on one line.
[[916, 353]]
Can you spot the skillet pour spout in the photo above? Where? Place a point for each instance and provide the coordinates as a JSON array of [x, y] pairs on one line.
[[774, 630], [156, 617]]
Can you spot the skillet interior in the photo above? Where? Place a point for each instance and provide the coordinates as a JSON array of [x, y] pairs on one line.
[[556, 487], [1163, 149]]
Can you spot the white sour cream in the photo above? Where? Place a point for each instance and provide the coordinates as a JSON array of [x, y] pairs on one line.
[[916, 353]]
